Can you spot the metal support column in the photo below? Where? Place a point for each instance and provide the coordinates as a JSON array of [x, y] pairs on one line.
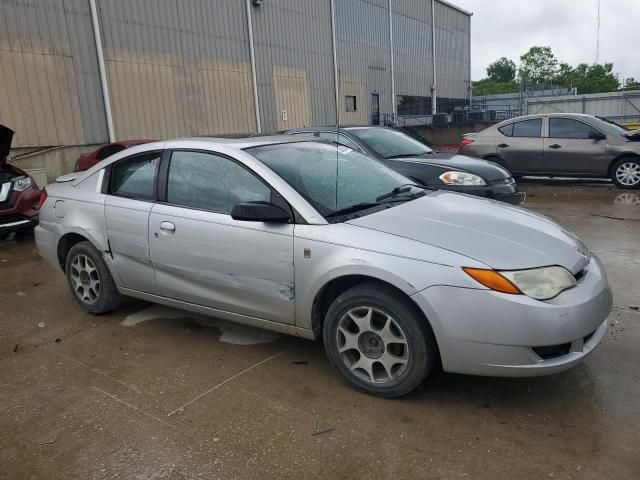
[[102, 70], [256, 102]]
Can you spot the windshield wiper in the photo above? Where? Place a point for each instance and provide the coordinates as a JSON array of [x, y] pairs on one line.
[[400, 190], [352, 209]]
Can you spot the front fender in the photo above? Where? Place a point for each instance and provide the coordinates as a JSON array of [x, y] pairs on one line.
[[326, 262]]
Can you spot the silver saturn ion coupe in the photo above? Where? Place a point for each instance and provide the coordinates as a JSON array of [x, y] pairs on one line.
[[298, 236]]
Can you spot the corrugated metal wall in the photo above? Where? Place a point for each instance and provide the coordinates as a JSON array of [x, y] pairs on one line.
[[49, 84], [177, 67], [622, 107], [182, 67]]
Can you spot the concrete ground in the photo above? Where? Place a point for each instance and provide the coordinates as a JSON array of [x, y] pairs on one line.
[[150, 392]]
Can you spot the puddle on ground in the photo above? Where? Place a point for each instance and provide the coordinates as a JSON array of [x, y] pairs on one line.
[[234, 333]]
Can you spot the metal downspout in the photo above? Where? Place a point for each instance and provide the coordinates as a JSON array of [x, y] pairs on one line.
[[101, 68], [335, 62], [256, 103], [434, 89], [393, 76]]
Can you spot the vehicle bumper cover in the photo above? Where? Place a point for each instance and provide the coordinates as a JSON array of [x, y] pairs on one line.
[[483, 332], [14, 223], [47, 245]]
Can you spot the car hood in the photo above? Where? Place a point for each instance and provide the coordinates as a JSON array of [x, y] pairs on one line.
[[453, 161], [499, 235]]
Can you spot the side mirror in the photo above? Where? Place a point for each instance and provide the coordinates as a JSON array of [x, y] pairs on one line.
[[260, 212], [597, 135]]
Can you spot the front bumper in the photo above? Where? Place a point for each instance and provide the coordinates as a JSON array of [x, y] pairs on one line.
[[16, 222], [483, 332]]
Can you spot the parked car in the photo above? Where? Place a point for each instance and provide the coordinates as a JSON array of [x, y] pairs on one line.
[[295, 235], [417, 161], [19, 194], [560, 145], [88, 160]]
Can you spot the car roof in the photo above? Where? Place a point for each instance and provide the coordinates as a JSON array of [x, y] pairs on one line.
[[553, 114], [247, 142]]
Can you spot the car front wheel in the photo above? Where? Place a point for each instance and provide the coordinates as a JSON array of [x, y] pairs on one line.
[[90, 280], [378, 341], [625, 173]]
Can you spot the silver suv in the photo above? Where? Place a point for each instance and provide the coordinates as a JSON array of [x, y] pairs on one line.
[[560, 145]]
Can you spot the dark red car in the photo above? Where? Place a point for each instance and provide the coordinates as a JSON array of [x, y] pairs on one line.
[[19, 194], [88, 160]]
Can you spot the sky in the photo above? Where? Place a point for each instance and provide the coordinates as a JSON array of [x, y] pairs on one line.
[[508, 28]]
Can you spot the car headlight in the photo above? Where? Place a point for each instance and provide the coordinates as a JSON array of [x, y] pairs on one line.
[[461, 178], [20, 184], [540, 283]]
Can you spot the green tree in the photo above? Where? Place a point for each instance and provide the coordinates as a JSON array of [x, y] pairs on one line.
[[539, 65], [631, 84], [594, 78], [502, 70], [488, 86]]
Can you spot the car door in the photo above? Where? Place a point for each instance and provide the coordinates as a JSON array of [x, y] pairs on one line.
[[203, 256], [520, 144], [131, 192], [574, 147]]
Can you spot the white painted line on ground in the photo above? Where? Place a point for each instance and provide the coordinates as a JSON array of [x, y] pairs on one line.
[[94, 370], [131, 406], [226, 381]]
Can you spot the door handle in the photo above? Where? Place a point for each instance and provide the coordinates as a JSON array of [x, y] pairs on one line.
[[168, 227], [503, 145], [555, 146]]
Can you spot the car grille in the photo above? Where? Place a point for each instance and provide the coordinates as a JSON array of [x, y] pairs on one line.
[[5, 190], [555, 351], [552, 351], [502, 181]]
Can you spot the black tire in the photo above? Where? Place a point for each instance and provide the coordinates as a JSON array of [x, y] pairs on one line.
[[625, 173], [94, 297], [421, 347]]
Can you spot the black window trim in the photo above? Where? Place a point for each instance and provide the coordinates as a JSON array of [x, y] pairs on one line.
[[522, 121], [107, 182], [575, 120], [163, 183], [360, 149]]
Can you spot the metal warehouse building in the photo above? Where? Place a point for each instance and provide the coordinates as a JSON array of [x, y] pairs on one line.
[[79, 72]]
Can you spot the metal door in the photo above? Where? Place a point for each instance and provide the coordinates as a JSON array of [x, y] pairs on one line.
[[205, 257], [375, 109], [573, 147]]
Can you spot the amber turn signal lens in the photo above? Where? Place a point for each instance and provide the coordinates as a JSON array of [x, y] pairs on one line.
[[492, 279]]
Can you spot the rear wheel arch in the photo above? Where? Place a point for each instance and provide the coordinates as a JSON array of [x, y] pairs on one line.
[[65, 244], [335, 287]]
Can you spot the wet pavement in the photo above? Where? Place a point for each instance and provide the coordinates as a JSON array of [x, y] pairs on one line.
[[152, 392]]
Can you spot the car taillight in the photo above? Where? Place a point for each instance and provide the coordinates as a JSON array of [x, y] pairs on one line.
[[465, 141], [43, 197]]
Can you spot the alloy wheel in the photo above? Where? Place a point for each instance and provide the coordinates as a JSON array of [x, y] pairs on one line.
[[628, 173], [372, 345], [85, 279]]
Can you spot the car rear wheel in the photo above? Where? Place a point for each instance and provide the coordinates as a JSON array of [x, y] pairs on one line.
[[378, 341], [89, 279], [625, 173]]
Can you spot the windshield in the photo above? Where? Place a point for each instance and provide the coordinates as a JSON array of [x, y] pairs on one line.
[[331, 179], [610, 125], [391, 143]]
